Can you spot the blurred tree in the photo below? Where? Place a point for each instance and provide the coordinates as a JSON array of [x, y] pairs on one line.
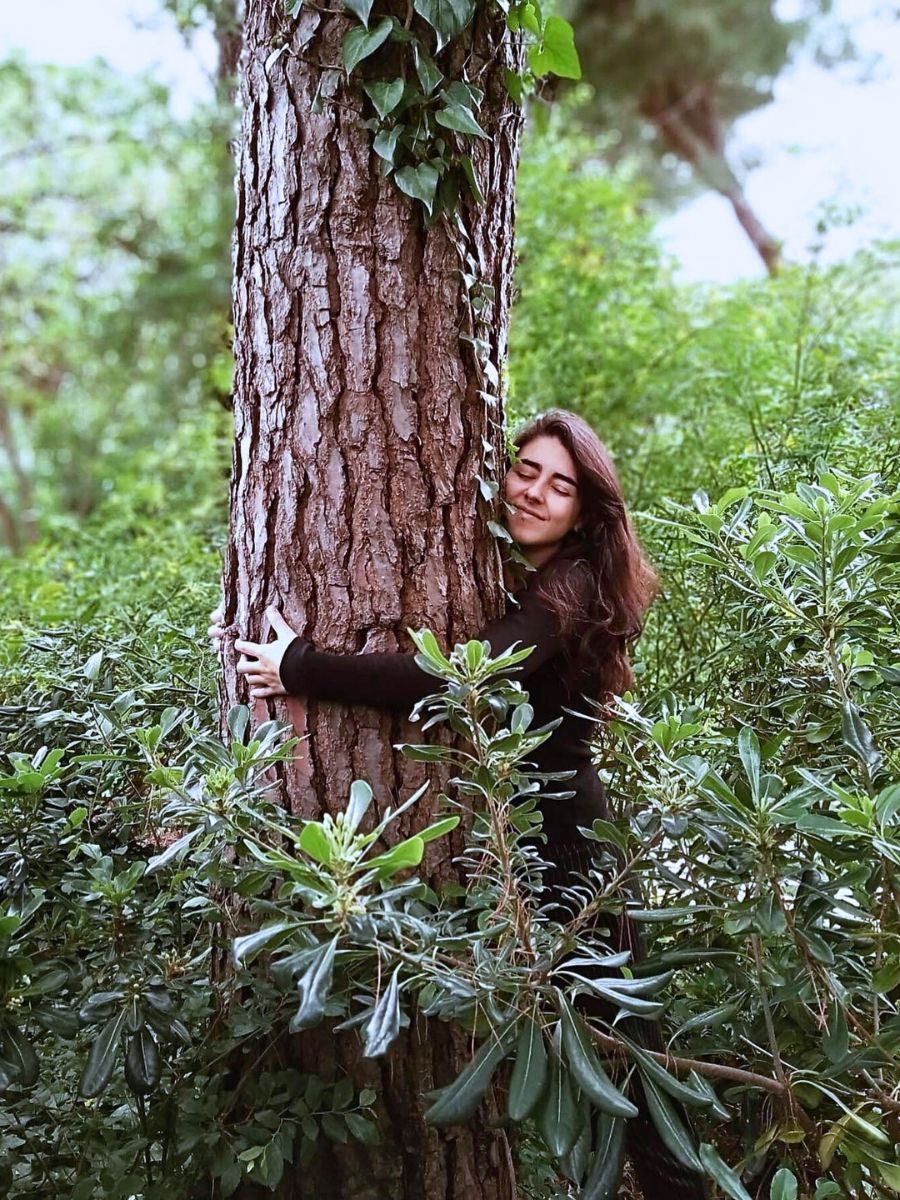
[[684, 73], [114, 282]]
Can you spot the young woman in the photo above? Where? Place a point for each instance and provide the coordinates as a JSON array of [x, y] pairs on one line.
[[580, 607]]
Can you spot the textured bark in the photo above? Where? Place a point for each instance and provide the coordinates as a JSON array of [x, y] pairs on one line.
[[354, 503]]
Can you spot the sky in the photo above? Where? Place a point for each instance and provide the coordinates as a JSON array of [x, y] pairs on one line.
[[829, 138]]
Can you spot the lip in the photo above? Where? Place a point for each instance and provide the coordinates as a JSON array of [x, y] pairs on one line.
[[527, 512]]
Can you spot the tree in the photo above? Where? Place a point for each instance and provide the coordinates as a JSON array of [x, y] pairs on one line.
[[688, 72], [363, 421]]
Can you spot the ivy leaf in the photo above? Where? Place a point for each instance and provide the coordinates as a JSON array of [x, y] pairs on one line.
[[385, 143], [460, 119], [360, 43], [419, 182], [361, 9], [556, 54], [446, 17], [385, 95], [426, 69]]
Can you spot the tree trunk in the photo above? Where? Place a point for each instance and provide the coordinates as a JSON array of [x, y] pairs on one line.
[[354, 502]]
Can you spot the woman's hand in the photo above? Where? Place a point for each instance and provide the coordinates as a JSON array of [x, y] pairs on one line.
[[216, 630], [263, 674]]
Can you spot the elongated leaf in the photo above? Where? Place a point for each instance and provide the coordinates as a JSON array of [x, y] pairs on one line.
[[606, 1173], [729, 1181], [748, 748], [384, 1024], [405, 854], [858, 737], [360, 793], [670, 1126], [19, 1053], [314, 987], [174, 850], [102, 1057], [438, 829], [446, 17], [529, 1075], [245, 947], [360, 43], [585, 1065], [836, 1042], [557, 1117], [142, 1062], [455, 1103], [675, 1087]]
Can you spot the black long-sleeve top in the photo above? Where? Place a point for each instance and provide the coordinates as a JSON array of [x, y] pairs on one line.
[[551, 674]]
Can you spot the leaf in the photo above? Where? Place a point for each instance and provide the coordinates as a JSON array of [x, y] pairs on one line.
[[605, 1176], [363, 1129], [385, 143], [385, 1022], [385, 95], [836, 1042], [360, 43], [585, 1065], [426, 69], [468, 170], [676, 1088], [727, 1179], [784, 1185], [91, 668], [19, 1053], [361, 9], [248, 945], [405, 854], [670, 1126], [557, 54], [438, 829], [314, 841], [529, 1074], [557, 1118], [748, 748], [460, 119], [142, 1062], [358, 805], [419, 182], [446, 17], [102, 1057], [314, 987], [858, 737], [455, 1103], [172, 851]]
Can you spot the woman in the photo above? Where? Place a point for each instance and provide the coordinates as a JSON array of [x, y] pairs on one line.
[[583, 602]]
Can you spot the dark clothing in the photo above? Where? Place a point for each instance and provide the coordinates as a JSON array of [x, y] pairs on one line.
[[550, 675], [554, 681]]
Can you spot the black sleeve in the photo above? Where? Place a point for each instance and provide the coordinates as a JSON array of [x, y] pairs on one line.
[[394, 680]]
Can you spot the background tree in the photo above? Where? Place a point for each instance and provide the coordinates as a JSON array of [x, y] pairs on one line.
[[686, 73]]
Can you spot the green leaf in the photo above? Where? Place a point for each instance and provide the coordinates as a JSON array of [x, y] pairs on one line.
[[459, 119], [142, 1063], [361, 9], [102, 1057], [360, 43], [426, 69], [529, 1075], [675, 1087], [858, 736], [748, 748], [419, 182], [385, 143], [727, 1179], [438, 829], [455, 1103], [557, 1118], [314, 841], [468, 170], [606, 1173], [363, 1129], [314, 987], [384, 1024], [670, 1126], [836, 1042], [246, 946], [585, 1065], [446, 17], [19, 1053], [385, 95], [358, 805], [557, 54], [784, 1185], [405, 854]]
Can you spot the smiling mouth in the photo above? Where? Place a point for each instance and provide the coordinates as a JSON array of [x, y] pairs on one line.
[[524, 512]]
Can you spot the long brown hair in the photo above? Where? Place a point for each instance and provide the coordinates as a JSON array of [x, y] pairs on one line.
[[602, 604]]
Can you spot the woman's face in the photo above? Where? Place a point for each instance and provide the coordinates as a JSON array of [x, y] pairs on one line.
[[543, 488]]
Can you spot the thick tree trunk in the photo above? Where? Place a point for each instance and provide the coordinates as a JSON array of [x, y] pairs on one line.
[[354, 505]]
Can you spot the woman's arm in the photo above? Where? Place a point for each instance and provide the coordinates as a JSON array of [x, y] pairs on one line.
[[394, 680]]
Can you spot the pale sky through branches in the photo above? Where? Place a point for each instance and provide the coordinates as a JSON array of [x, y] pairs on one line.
[[828, 138]]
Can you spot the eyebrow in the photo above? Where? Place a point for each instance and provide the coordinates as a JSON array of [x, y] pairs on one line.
[[529, 462]]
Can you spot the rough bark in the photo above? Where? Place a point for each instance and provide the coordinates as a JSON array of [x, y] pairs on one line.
[[354, 503]]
